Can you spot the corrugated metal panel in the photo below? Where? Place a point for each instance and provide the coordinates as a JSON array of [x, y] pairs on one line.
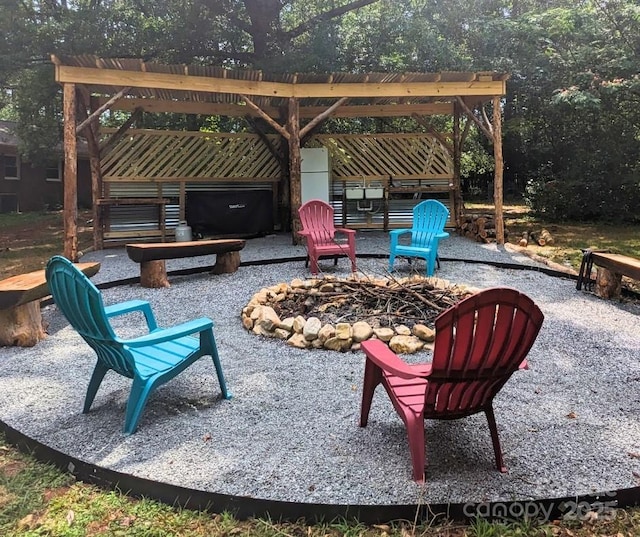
[[400, 208], [136, 218]]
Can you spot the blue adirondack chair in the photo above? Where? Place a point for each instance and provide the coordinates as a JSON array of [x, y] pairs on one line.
[[429, 218], [150, 360]]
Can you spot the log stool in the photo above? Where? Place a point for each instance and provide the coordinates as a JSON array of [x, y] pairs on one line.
[[20, 316]]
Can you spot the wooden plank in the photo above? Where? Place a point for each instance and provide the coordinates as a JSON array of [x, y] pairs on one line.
[[306, 112], [132, 201], [139, 79], [132, 234], [174, 250], [621, 264], [23, 288]]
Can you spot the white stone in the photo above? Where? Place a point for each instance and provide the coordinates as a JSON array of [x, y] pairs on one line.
[[405, 344], [343, 331], [287, 324], [361, 331], [326, 332], [384, 334], [338, 344], [311, 328], [424, 332], [403, 330], [298, 341], [268, 318], [280, 333], [298, 324]]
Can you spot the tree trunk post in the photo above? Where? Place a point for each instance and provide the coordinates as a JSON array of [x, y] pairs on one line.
[[457, 149], [499, 168], [70, 211], [295, 198]]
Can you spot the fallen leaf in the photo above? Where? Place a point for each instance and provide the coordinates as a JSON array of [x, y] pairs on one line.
[[70, 517], [633, 455], [206, 437], [572, 415], [382, 527]]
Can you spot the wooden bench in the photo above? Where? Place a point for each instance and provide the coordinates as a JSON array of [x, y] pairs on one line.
[[152, 256], [20, 317], [611, 268]]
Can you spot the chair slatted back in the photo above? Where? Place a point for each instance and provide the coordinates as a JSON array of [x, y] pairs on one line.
[[429, 219], [81, 303], [480, 343], [316, 217]]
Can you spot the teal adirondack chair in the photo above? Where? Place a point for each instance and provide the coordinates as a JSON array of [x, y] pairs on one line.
[[150, 360], [429, 219]]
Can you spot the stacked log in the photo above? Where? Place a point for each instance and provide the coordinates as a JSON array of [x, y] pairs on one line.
[[541, 238], [479, 227]]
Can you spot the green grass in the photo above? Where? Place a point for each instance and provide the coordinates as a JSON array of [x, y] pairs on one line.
[[569, 238]]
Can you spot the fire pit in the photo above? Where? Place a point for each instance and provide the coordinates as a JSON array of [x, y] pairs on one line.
[[338, 314]]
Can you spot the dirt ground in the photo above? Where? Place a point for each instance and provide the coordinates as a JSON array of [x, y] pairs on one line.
[[28, 240]]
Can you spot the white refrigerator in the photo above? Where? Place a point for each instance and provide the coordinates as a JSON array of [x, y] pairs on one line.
[[315, 172]]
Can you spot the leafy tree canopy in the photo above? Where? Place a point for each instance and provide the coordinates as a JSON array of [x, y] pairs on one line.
[[572, 114]]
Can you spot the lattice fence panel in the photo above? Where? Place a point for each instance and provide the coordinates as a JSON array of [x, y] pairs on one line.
[[175, 155], [396, 155]]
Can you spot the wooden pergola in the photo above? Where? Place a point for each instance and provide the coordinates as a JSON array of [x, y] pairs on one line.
[[294, 105]]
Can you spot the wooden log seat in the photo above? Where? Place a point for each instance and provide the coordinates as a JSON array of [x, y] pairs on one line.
[[611, 268], [152, 256], [20, 318]]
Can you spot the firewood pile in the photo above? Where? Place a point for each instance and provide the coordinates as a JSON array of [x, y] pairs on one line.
[[380, 303], [541, 238], [480, 227]]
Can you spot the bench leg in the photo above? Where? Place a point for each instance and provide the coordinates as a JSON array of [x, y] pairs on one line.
[[21, 326], [608, 284], [226, 262], [154, 273]]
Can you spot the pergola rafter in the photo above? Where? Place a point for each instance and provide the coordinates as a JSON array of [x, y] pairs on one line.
[[308, 99]]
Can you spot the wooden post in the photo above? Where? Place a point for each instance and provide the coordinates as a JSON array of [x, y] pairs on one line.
[[70, 211], [457, 150], [295, 186], [96, 182], [499, 168]]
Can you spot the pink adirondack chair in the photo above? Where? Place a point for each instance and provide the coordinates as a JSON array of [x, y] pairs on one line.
[[319, 231], [480, 342]]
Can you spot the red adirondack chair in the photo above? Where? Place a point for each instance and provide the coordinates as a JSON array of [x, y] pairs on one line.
[[319, 231], [480, 342]]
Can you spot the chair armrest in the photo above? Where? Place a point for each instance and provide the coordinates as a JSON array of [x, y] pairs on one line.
[[345, 231], [303, 233], [389, 361], [131, 306], [398, 232], [161, 335], [395, 235], [442, 235]]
